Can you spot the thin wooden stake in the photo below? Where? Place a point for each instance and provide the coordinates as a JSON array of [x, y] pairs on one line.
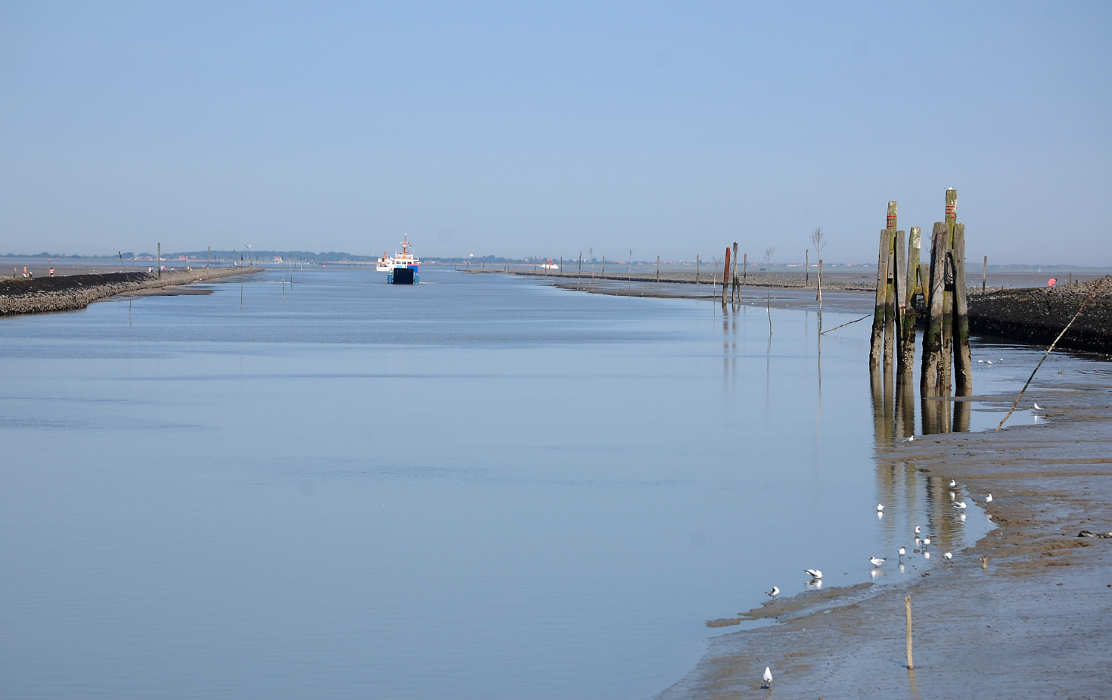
[[963, 367], [698, 264], [907, 612], [984, 275], [745, 267], [818, 296], [726, 276], [658, 268]]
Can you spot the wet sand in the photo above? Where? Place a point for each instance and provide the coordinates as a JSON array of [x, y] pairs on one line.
[[1034, 623]]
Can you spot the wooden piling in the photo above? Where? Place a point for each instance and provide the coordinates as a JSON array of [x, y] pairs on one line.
[[899, 280], [698, 263], [907, 640], [158, 263], [909, 316], [984, 275], [726, 276], [806, 267], [744, 267], [963, 370], [930, 378], [890, 289], [658, 268], [736, 292], [876, 344]]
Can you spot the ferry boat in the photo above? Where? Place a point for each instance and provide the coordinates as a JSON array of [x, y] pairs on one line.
[[404, 266]]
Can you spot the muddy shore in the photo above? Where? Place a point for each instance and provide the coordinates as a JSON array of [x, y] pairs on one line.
[[1020, 315], [1033, 623], [71, 292]]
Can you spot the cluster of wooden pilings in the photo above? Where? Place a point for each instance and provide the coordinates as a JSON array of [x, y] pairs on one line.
[[941, 285], [731, 283]]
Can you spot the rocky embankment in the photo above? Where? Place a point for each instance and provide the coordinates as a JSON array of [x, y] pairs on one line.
[[70, 292], [1038, 315]]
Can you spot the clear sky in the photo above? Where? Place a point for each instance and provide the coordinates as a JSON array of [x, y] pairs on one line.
[[548, 128]]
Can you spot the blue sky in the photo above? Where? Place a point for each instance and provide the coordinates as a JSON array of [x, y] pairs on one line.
[[504, 128]]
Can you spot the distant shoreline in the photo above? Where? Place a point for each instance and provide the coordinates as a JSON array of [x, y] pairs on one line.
[[75, 292]]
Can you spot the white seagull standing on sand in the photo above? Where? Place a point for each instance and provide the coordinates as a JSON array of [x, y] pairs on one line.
[[815, 574], [877, 561], [910, 438], [926, 542], [901, 551], [880, 507], [953, 483], [918, 530], [961, 505], [988, 498], [767, 678], [1037, 406], [948, 556], [775, 591]]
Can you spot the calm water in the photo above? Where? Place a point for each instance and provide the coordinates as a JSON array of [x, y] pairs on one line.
[[477, 487]]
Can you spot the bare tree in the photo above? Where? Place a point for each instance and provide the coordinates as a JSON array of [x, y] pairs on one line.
[[818, 240]]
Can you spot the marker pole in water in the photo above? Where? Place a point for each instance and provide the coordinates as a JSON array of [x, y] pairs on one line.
[[698, 262], [726, 276]]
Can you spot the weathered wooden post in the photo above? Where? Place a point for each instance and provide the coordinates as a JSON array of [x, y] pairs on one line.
[[158, 263], [963, 370], [603, 273], [930, 381], [561, 265], [745, 268], [735, 295], [658, 268], [698, 263], [948, 321], [984, 275], [876, 343], [908, 315], [806, 267], [884, 308], [726, 276]]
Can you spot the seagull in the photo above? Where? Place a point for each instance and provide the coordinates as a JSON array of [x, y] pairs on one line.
[[953, 483], [926, 541], [877, 561], [774, 592], [918, 530], [815, 574], [910, 438], [879, 507], [767, 678], [902, 551], [980, 362], [1037, 406], [918, 541], [961, 505], [988, 498], [926, 555], [990, 362], [948, 556]]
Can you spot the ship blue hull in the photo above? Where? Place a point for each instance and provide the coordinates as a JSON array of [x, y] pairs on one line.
[[403, 275]]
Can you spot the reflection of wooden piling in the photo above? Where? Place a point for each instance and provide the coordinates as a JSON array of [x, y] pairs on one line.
[[726, 276]]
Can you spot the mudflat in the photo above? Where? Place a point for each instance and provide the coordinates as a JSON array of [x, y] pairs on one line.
[[1030, 620]]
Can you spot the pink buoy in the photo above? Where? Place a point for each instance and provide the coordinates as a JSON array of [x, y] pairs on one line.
[[1052, 281]]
